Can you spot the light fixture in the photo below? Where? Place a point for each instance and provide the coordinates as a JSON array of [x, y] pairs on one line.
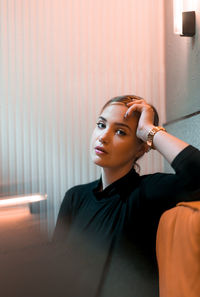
[[184, 21]]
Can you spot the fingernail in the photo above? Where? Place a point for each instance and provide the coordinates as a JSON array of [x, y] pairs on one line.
[[125, 115]]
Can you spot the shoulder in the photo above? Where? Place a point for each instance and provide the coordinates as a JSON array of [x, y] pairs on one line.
[[159, 185], [156, 177], [78, 193]]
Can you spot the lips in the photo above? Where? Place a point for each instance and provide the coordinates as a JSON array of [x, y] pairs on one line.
[[100, 149]]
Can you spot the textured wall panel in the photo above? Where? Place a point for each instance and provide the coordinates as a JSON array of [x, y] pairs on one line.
[[182, 65], [60, 61]]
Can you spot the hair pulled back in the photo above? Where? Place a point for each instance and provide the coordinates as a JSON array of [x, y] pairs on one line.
[[127, 99]]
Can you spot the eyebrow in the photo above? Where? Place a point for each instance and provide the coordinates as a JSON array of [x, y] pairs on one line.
[[116, 123]]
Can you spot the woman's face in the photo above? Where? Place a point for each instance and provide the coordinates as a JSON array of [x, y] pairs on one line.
[[114, 143]]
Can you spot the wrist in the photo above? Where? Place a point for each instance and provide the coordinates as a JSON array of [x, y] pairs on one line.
[[151, 134], [143, 133]]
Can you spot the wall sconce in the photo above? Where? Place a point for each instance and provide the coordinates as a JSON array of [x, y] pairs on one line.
[[184, 21]]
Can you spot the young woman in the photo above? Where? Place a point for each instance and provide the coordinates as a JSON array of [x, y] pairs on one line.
[[122, 208]]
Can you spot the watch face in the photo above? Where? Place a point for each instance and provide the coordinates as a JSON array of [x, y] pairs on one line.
[[151, 135], [152, 132]]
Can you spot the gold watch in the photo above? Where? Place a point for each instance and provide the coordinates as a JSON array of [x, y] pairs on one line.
[[151, 134]]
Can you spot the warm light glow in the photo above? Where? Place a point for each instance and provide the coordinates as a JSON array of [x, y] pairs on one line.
[[11, 214], [19, 200], [190, 5], [178, 9]]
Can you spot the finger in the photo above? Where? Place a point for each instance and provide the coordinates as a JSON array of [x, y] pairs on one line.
[[139, 108], [135, 107]]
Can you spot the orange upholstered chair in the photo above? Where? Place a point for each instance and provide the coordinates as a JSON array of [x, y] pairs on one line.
[[178, 251]]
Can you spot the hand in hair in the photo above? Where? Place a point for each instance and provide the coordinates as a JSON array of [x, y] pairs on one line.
[[146, 121]]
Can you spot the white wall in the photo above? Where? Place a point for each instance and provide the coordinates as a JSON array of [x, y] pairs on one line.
[[60, 61], [182, 65], [182, 78]]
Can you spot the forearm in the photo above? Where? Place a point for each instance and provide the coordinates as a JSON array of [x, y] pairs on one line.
[[168, 145]]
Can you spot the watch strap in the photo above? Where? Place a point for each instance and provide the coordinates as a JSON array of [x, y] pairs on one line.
[[151, 134]]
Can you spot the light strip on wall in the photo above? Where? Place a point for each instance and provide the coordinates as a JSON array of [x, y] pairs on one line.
[[178, 9], [21, 200]]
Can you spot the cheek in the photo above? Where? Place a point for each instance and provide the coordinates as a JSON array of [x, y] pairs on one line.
[[93, 139], [129, 148], [93, 136], [122, 149]]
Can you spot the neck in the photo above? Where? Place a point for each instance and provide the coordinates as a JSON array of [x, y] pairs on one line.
[[109, 176]]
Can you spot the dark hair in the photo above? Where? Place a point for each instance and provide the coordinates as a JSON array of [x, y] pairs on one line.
[[126, 99]]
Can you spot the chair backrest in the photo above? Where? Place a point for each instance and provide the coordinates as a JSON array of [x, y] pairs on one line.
[[178, 251]]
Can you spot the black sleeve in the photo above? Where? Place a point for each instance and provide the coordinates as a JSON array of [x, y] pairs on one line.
[[160, 192], [64, 218], [166, 190], [187, 168]]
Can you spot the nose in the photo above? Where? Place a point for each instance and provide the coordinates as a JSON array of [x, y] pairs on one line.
[[104, 137]]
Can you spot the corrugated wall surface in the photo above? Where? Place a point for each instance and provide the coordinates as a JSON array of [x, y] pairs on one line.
[[59, 62]]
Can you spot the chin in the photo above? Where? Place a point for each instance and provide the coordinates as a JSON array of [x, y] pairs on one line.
[[97, 161]]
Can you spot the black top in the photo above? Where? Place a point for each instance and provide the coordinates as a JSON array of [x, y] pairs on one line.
[[123, 220]]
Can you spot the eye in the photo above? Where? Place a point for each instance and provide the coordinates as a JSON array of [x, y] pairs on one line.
[[100, 125], [121, 132]]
